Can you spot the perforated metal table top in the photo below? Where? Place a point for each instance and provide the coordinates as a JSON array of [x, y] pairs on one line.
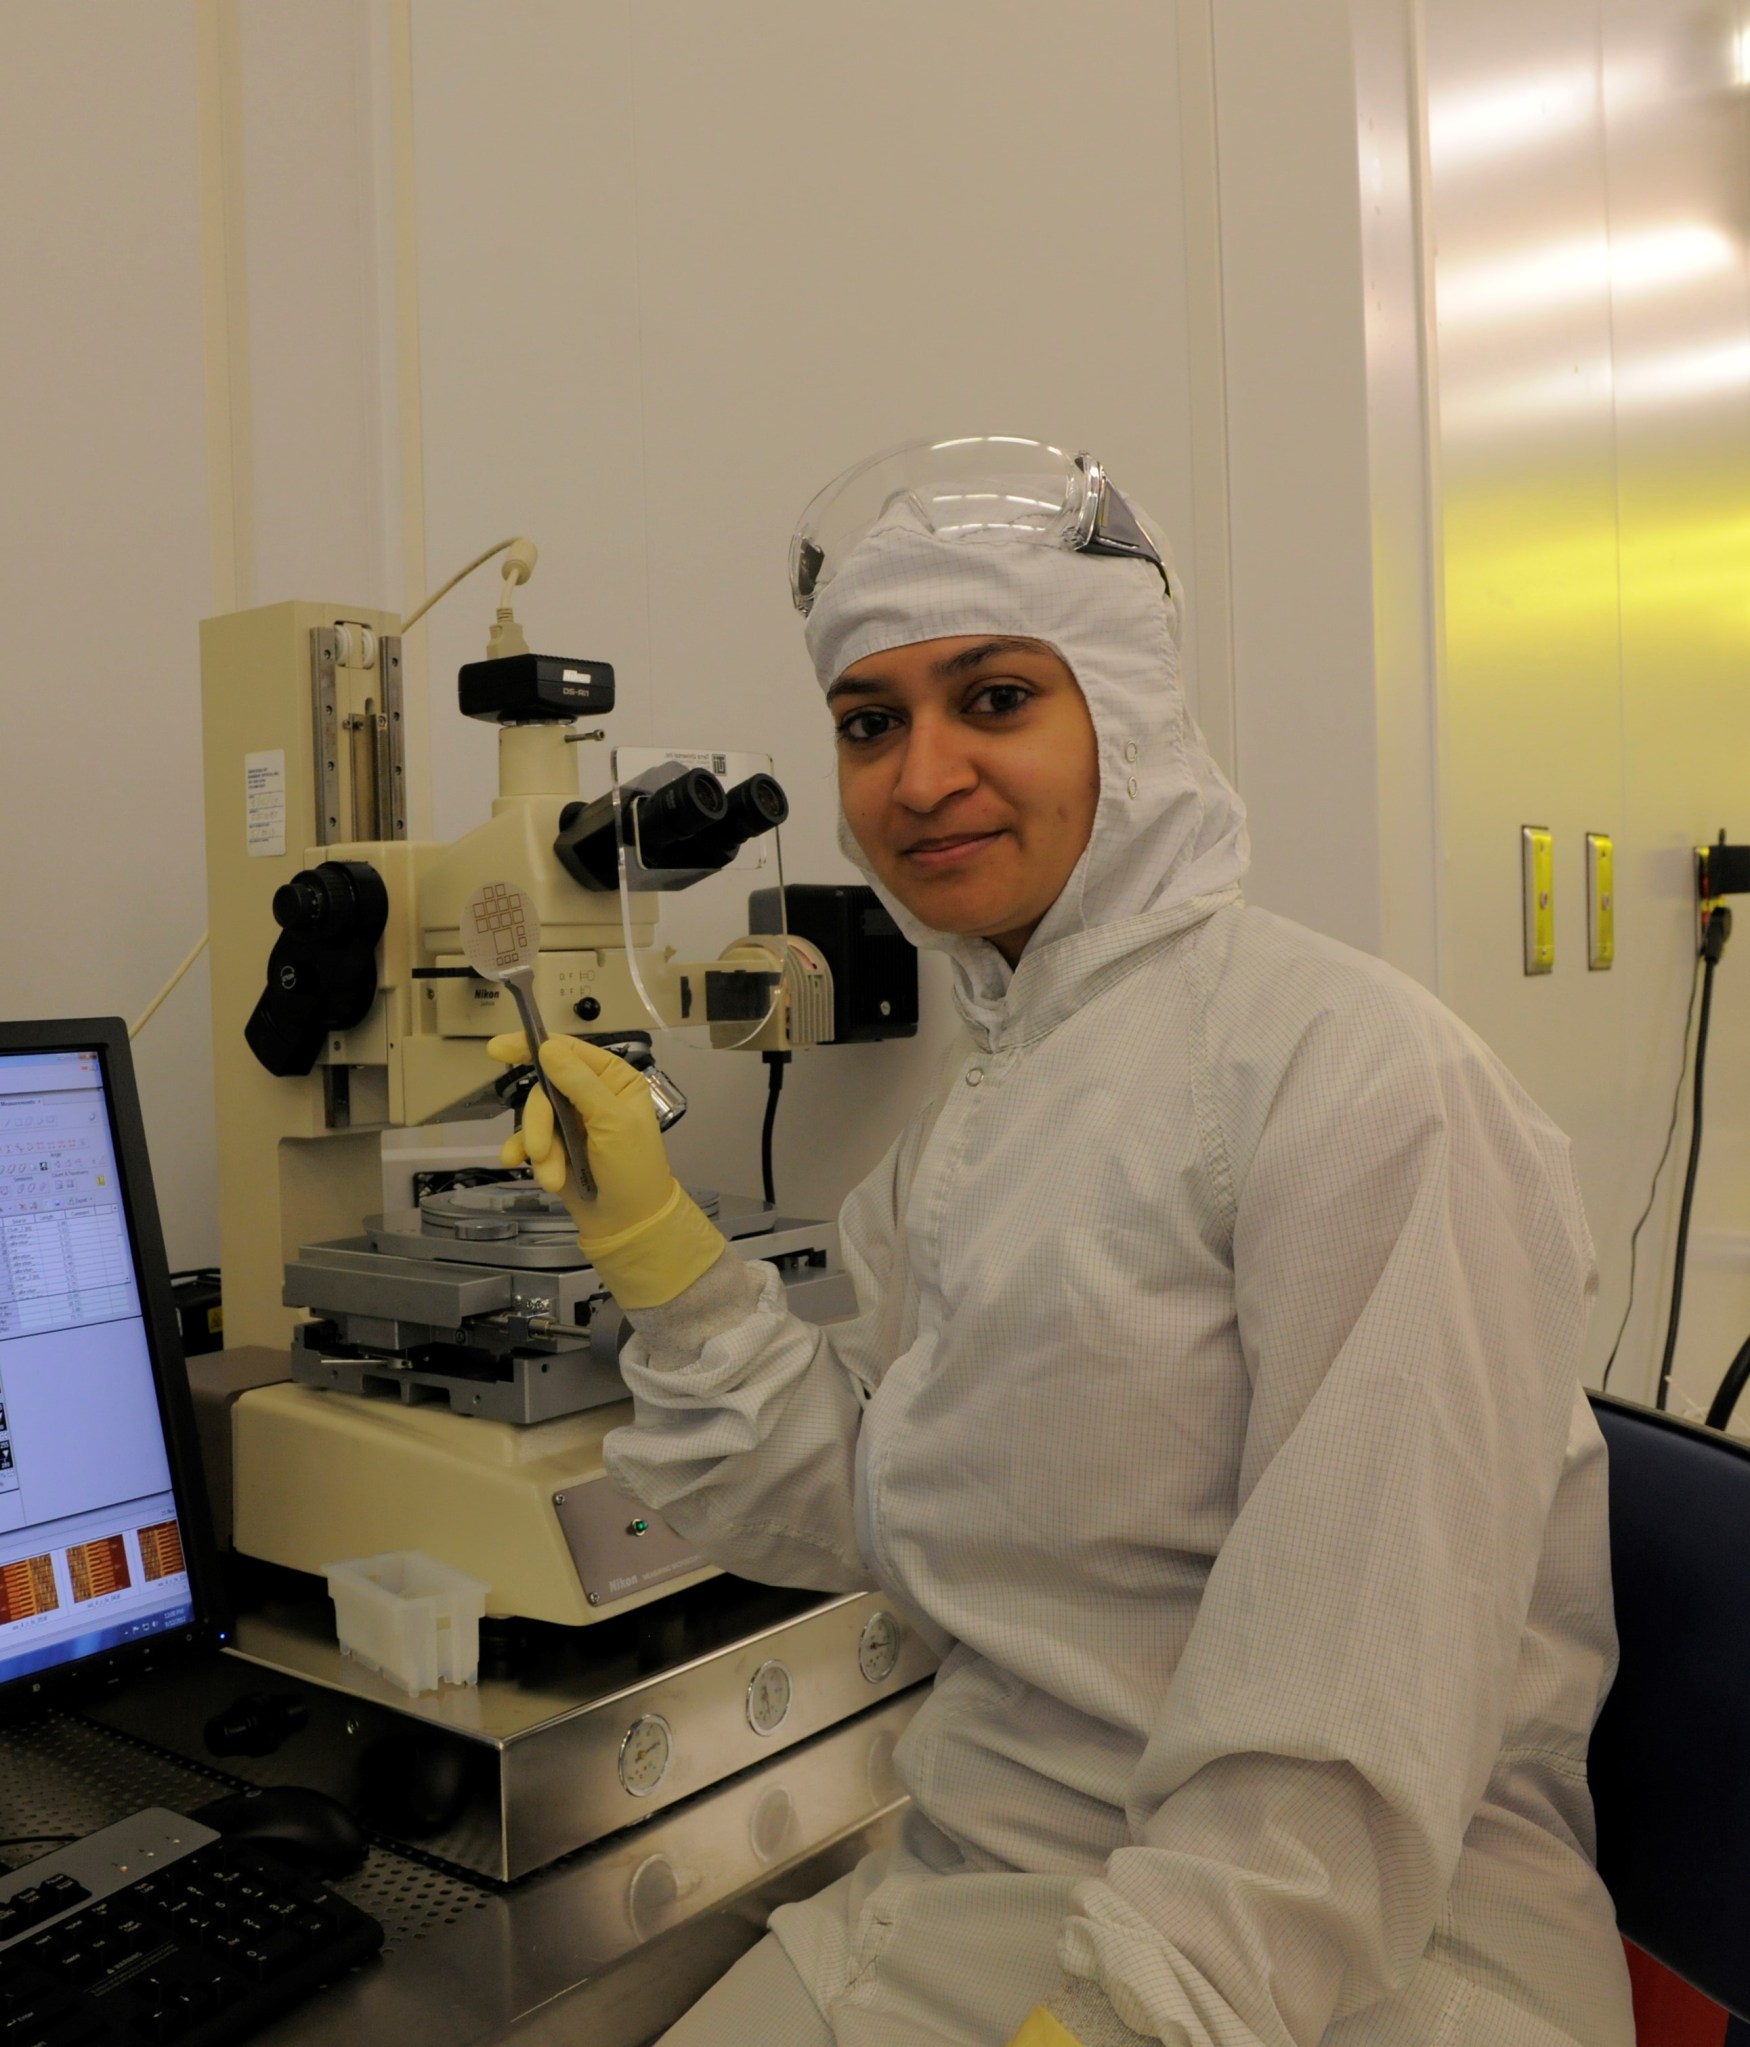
[[65, 1776], [609, 1945]]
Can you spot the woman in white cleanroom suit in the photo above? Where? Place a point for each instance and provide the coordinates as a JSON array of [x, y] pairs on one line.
[[1213, 1403]]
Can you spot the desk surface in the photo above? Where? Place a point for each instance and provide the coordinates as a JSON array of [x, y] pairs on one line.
[[609, 1945]]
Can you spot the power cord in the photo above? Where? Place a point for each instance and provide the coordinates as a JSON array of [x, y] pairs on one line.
[[1653, 1189], [517, 571], [1715, 932], [1719, 1415], [163, 995], [775, 1064]]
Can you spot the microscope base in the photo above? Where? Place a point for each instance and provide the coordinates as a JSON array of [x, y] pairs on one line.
[[321, 1477]]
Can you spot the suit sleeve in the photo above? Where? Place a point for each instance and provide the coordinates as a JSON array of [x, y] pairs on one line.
[[746, 1417], [1412, 1275]]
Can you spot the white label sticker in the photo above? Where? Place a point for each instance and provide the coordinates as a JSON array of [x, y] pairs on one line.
[[264, 799]]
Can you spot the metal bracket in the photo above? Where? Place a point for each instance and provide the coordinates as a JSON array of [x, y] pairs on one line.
[[325, 736], [392, 748], [378, 756]]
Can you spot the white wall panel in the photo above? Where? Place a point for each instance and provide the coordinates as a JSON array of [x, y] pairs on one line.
[[1403, 477], [1301, 520], [104, 551], [312, 106]]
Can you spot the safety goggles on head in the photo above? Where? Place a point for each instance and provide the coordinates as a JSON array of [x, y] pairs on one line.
[[988, 488]]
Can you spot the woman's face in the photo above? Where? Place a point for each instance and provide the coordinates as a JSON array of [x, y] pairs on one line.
[[969, 774]]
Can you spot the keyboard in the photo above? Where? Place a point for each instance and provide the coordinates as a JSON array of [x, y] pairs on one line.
[[157, 1929]]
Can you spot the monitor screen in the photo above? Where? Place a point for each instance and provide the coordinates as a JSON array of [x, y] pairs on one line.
[[93, 1545]]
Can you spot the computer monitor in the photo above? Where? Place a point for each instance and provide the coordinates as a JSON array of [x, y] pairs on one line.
[[107, 1558]]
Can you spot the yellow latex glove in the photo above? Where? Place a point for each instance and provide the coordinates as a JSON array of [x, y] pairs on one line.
[[642, 1232], [1040, 2029]]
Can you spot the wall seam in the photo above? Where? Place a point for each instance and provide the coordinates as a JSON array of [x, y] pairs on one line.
[[410, 409], [1422, 255], [1211, 589], [224, 304]]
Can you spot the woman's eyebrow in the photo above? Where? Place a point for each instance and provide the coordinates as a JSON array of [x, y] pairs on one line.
[[854, 686]]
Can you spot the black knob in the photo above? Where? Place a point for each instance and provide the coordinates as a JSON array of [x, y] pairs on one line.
[[316, 901], [587, 1009], [336, 901]]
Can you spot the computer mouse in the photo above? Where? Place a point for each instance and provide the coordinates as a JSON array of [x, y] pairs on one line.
[[306, 1828]]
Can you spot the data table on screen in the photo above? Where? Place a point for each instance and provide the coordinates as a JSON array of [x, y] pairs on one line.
[[65, 1259], [64, 1268]]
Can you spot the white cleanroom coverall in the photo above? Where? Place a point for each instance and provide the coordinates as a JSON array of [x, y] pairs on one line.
[[1213, 1405]]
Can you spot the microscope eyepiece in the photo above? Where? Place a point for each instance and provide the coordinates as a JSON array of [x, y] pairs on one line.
[[689, 827], [752, 807], [758, 805], [675, 813]]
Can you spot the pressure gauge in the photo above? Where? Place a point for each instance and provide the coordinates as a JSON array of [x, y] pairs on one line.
[[645, 1754], [878, 1647], [768, 1698]]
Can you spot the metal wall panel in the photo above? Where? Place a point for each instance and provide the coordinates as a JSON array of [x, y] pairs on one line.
[[1589, 201]]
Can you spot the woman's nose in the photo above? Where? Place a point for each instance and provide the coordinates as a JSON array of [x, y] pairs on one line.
[[936, 765]]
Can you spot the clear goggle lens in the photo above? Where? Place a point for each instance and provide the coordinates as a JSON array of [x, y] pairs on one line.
[[983, 489]]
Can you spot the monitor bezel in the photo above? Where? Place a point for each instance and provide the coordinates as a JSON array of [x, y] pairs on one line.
[[210, 1628]]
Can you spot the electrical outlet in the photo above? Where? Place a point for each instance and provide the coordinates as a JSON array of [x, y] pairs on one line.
[[1538, 866], [1600, 902]]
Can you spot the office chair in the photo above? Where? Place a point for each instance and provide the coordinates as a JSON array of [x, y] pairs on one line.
[[1670, 1760]]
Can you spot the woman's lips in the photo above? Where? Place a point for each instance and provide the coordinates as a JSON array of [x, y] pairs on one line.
[[935, 855]]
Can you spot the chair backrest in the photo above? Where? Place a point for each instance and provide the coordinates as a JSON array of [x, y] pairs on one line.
[[1670, 1765]]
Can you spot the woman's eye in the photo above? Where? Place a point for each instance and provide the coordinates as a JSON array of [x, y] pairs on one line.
[[1002, 698], [861, 727]]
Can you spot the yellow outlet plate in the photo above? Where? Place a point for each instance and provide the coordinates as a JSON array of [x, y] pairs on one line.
[[1538, 865], [1600, 902]]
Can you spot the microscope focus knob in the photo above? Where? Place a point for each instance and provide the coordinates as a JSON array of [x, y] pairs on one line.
[[329, 901], [322, 972]]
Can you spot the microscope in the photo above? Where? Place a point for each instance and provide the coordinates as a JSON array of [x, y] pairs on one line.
[[453, 1365]]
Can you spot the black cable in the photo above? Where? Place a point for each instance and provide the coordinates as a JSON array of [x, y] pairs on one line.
[[1653, 1189], [38, 1840], [1714, 936], [775, 1064], [1719, 1416]]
